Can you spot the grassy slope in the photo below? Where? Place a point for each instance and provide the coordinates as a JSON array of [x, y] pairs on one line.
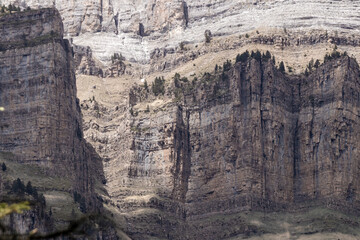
[[55, 189]]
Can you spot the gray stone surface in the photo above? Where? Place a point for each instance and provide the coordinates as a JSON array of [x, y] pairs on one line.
[[110, 27], [256, 140]]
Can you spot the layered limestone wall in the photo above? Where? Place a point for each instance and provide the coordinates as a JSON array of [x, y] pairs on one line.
[[136, 28], [254, 140], [42, 121]]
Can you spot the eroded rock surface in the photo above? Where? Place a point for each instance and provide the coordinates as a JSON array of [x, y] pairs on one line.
[[42, 124], [137, 28], [246, 140]]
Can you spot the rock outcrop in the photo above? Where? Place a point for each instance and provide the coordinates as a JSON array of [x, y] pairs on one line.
[[42, 123], [137, 28], [248, 139]]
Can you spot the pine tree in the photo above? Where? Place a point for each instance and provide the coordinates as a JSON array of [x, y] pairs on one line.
[[256, 55], [3, 167], [146, 86], [243, 57], [158, 86], [227, 65], [282, 67], [18, 187], [317, 63], [268, 55], [306, 72], [311, 65], [29, 188]]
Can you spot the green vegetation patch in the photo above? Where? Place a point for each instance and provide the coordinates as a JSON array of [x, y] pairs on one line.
[[33, 173]]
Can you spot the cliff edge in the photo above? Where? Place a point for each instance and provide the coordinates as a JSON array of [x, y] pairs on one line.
[[41, 133]]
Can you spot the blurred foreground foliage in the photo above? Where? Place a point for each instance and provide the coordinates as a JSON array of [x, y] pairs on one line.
[[7, 209]]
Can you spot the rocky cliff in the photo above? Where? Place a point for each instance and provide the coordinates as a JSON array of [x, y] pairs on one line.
[[42, 125], [245, 139], [242, 151], [137, 29]]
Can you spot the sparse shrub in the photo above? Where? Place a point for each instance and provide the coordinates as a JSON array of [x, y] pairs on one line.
[[317, 63], [311, 65], [141, 31], [282, 67], [306, 72], [158, 86], [208, 36], [256, 55], [147, 109], [247, 35], [267, 56], [18, 187], [184, 79], [29, 188], [182, 46], [224, 77], [177, 79], [146, 86], [227, 65], [117, 58], [242, 57], [335, 54], [327, 57]]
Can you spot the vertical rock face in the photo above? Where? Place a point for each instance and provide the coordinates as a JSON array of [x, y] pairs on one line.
[[42, 122], [138, 28], [250, 139], [241, 141], [327, 155]]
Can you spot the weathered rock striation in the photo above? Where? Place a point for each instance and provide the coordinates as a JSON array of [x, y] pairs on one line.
[[42, 124], [138, 28], [248, 139]]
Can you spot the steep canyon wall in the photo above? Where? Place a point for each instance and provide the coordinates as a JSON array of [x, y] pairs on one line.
[[138, 29], [42, 123], [250, 139]]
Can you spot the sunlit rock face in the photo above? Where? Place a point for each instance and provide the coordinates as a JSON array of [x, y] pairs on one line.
[[42, 121], [252, 140], [136, 28]]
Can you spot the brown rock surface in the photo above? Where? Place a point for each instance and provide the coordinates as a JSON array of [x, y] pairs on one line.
[[42, 125], [253, 140]]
